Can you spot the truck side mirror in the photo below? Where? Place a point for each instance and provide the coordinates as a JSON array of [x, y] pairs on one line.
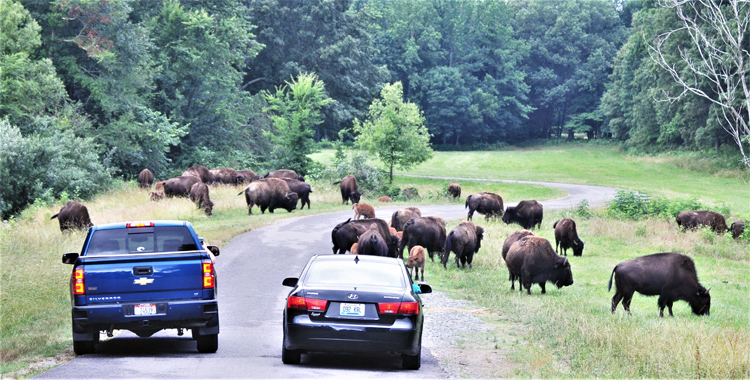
[[70, 258], [290, 281], [214, 249]]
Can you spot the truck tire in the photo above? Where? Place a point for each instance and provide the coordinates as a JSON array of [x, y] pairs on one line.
[[208, 344], [83, 347], [290, 356]]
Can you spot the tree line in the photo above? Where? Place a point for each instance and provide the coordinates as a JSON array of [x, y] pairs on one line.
[[102, 88]]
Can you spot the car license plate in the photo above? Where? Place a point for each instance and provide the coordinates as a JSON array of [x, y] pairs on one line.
[[145, 309], [353, 309]]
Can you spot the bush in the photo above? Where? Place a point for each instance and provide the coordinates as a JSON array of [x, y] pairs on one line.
[[635, 206], [369, 179]]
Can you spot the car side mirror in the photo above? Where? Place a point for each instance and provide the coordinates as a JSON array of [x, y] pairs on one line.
[[290, 281], [70, 258], [214, 249], [425, 288]]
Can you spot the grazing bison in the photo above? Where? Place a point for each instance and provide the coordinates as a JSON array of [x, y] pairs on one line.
[[514, 237], [74, 215], [690, 220], [159, 185], [157, 196], [416, 261], [303, 190], [488, 204], [353, 249], [737, 228], [533, 261], [385, 199], [199, 195], [454, 190], [429, 232], [270, 193], [372, 243], [199, 171], [284, 173], [145, 179], [671, 276], [180, 186], [246, 176], [224, 176], [347, 233], [527, 213], [566, 237], [363, 210], [349, 189], [465, 240], [401, 216]]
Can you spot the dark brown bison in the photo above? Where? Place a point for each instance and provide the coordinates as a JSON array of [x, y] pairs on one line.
[[74, 215], [454, 190], [566, 237], [690, 220], [429, 232], [246, 176], [284, 173], [180, 186], [488, 204], [402, 215], [671, 276], [145, 179], [349, 189], [372, 243], [527, 213], [533, 261], [347, 233], [465, 240], [737, 228], [302, 189], [199, 171], [514, 237], [199, 195], [224, 176], [270, 193]]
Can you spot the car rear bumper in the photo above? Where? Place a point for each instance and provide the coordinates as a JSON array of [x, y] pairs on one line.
[[403, 336]]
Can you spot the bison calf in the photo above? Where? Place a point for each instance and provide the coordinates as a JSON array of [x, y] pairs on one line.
[[385, 199], [416, 261], [353, 249], [363, 210], [157, 196], [159, 185], [566, 237], [671, 276], [533, 261]]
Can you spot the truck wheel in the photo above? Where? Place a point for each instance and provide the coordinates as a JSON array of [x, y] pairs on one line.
[[83, 347], [208, 344], [290, 356]]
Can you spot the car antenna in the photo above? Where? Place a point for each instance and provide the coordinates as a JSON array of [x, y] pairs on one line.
[[356, 259]]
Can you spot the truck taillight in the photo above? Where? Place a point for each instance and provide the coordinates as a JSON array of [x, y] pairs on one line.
[[294, 302], [79, 288], [209, 276]]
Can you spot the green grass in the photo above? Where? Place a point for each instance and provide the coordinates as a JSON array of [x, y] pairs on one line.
[[434, 189]]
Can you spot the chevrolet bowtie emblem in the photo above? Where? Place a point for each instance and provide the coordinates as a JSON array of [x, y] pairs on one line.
[[143, 281]]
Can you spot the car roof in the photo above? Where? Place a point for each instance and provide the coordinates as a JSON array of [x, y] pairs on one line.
[[157, 223], [361, 258]]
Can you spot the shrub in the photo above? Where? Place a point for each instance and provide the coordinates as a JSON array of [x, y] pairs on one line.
[[634, 205], [369, 178]]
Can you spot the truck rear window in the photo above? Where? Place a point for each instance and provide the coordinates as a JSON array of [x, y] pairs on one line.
[[141, 240]]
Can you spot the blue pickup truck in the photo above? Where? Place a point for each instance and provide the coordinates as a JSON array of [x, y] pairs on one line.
[[143, 277]]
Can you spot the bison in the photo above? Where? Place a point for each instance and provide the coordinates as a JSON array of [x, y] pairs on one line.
[[270, 193], [74, 215], [180, 186], [145, 179], [284, 173], [429, 232], [454, 190], [199, 195], [737, 228], [347, 233], [533, 261], [349, 189], [363, 210], [566, 237], [224, 176], [199, 171], [246, 176], [159, 185], [385, 199], [488, 204], [303, 190], [157, 196], [527, 213], [416, 261], [514, 237], [671, 276], [372, 243], [690, 220], [401, 216], [353, 249], [465, 240]]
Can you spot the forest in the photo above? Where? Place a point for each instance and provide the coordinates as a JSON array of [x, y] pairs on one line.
[[93, 90]]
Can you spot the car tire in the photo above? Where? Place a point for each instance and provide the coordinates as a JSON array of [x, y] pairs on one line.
[[83, 347], [208, 344], [412, 362], [290, 356]]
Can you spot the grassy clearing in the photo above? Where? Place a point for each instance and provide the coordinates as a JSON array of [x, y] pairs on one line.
[[435, 189], [570, 332]]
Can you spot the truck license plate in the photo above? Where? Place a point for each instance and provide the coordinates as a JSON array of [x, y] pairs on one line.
[[145, 309], [353, 309]]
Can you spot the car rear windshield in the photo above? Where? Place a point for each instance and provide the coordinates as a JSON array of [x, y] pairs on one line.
[[350, 272], [141, 240]]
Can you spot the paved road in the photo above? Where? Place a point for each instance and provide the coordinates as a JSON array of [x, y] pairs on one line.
[[251, 268]]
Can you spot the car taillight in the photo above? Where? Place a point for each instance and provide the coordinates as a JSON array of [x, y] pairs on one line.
[[399, 308], [294, 302], [209, 276], [79, 288]]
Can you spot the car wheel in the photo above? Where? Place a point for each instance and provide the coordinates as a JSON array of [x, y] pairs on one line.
[[290, 356], [412, 362], [208, 344]]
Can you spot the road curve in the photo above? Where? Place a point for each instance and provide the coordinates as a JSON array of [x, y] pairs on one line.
[[251, 299]]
